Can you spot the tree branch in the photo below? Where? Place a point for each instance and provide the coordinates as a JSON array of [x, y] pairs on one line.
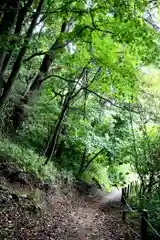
[[34, 55], [89, 162], [109, 101], [93, 29], [101, 97], [60, 77]]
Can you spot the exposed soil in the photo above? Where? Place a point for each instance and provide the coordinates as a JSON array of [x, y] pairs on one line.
[[28, 212]]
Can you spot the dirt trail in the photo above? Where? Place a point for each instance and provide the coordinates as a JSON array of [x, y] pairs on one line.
[[30, 214]]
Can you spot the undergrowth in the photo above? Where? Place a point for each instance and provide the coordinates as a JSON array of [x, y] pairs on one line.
[[29, 161], [26, 159]]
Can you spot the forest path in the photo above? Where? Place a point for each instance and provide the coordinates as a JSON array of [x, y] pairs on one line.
[[61, 214]]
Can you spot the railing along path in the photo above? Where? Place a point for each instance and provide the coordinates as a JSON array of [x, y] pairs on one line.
[[144, 216]]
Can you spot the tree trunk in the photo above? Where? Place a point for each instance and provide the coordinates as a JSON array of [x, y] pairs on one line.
[[36, 83], [91, 160], [50, 149], [61, 145], [18, 62], [6, 25], [59, 149], [82, 161], [2, 8], [20, 19]]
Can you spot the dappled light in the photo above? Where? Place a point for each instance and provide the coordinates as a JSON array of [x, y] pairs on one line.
[[79, 119]]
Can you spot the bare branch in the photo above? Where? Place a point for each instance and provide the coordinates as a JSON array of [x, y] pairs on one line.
[[101, 97], [91, 160], [153, 24], [34, 55]]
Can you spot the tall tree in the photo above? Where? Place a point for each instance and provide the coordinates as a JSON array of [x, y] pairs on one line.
[[6, 25], [36, 83], [18, 62], [20, 20]]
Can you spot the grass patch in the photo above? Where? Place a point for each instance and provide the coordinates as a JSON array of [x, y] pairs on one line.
[[26, 159]]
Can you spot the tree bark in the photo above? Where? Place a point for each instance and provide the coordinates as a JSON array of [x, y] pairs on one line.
[[7, 24], [82, 161], [61, 145], [72, 93], [18, 62], [91, 160], [20, 19], [36, 83], [50, 149]]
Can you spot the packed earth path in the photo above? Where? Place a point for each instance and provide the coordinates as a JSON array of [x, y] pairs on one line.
[[59, 213]]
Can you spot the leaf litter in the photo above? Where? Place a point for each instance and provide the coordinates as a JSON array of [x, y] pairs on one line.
[[29, 213]]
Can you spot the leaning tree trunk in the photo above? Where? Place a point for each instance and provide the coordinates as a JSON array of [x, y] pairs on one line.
[[72, 93], [50, 149], [83, 160], [18, 113], [91, 160], [19, 60], [60, 145], [20, 19], [6, 26]]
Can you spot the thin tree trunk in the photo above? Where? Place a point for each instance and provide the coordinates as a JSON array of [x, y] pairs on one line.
[[18, 62], [20, 19], [91, 160], [60, 146], [82, 161], [6, 25], [46, 63], [50, 149], [53, 138], [84, 118]]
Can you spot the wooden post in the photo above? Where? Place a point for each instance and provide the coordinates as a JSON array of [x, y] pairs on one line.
[[124, 214], [143, 230], [123, 195]]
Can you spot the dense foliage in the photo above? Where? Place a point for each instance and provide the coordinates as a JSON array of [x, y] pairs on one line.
[[79, 91]]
